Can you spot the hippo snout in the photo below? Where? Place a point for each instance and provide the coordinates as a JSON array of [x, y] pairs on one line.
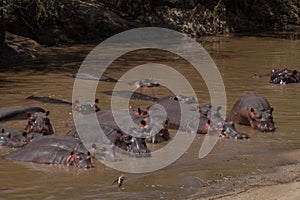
[[266, 127]]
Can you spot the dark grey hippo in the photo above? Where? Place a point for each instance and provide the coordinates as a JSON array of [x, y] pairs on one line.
[[45, 99], [11, 137], [17, 112], [127, 138], [284, 76], [54, 150], [86, 76], [252, 110], [39, 122], [188, 116], [144, 83], [180, 98], [86, 107], [229, 131], [210, 118], [131, 95], [281, 76], [101, 147], [225, 129]]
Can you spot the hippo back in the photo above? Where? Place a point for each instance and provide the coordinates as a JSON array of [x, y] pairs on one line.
[[188, 116], [48, 150]]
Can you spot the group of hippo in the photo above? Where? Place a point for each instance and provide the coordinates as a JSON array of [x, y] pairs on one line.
[[39, 143]]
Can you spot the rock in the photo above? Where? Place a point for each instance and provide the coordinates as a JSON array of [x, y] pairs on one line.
[[17, 48]]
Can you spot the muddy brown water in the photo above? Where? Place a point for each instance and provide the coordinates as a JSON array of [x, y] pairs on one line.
[[237, 59]]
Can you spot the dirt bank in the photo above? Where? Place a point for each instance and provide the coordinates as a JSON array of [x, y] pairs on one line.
[[281, 182]]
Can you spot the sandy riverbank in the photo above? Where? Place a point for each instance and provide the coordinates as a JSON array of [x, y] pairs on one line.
[[281, 182]]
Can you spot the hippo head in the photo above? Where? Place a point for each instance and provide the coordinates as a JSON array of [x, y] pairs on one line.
[[229, 131], [161, 136], [262, 119], [10, 140], [40, 123], [80, 159], [136, 146], [5, 138], [284, 76]]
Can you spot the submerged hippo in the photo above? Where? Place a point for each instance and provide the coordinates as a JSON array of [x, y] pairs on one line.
[[180, 98], [126, 138], [11, 137], [45, 99], [210, 119], [144, 83], [17, 112], [225, 129], [252, 110], [131, 95], [54, 150], [188, 116], [86, 76], [86, 107], [284, 76], [40, 123], [281, 76], [229, 131]]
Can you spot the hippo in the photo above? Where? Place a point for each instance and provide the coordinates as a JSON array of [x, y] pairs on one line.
[[40, 123], [284, 76], [44, 99], [281, 76], [101, 147], [218, 125], [54, 150], [180, 98], [210, 119], [86, 76], [11, 137], [127, 139], [86, 107], [144, 83], [131, 95], [162, 136], [229, 131], [252, 110], [189, 115], [17, 112]]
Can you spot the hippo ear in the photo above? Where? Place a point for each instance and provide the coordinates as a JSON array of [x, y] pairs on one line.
[[271, 110], [24, 134], [47, 113], [231, 123], [28, 115], [8, 134], [208, 121], [2, 131], [219, 108], [295, 72], [252, 113]]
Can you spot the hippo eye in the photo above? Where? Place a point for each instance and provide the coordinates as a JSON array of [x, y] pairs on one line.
[[258, 116]]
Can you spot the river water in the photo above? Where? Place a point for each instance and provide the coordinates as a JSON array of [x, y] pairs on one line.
[[237, 58]]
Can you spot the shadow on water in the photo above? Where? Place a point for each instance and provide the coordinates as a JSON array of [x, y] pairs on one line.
[[53, 60]]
